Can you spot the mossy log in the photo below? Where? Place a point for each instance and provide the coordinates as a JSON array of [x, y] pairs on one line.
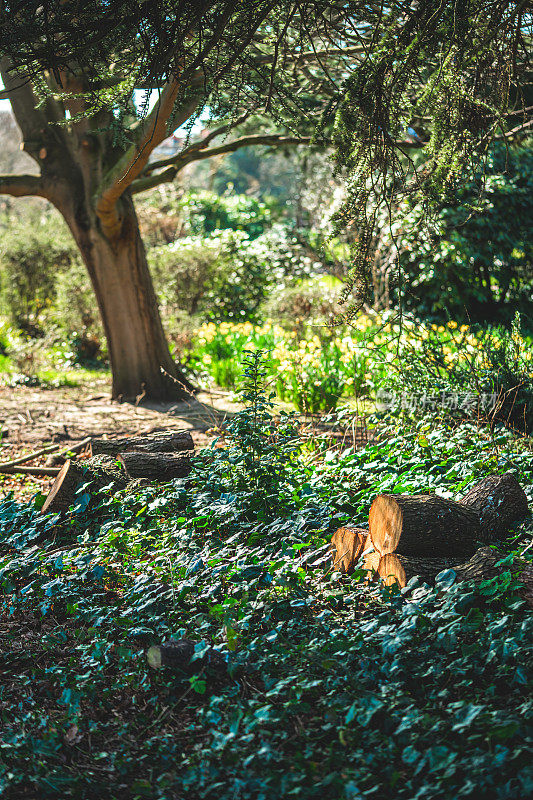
[[98, 472], [423, 525], [156, 466], [347, 545], [500, 501], [165, 442]]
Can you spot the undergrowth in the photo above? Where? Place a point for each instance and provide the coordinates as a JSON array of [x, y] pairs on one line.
[[336, 689]]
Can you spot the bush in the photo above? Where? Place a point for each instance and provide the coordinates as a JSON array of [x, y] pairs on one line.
[[76, 311], [309, 301], [473, 263], [167, 214], [468, 371], [225, 275], [33, 253]]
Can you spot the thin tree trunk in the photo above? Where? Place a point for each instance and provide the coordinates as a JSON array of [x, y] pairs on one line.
[[121, 279]]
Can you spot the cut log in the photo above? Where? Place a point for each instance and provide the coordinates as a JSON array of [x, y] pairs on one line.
[[97, 472], [395, 568], [500, 501], [482, 566], [371, 564], [156, 466], [177, 654], [423, 525], [166, 442], [347, 545]]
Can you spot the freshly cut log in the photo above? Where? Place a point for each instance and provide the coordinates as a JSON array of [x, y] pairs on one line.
[[500, 501], [166, 442], [98, 472], [483, 565], [394, 568], [371, 559], [423, 525], [347, 545], [156, 466]]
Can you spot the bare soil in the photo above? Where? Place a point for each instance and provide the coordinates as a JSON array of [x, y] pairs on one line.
[[33, 417]]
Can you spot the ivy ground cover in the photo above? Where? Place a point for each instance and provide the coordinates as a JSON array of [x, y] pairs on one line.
[[335, 689]]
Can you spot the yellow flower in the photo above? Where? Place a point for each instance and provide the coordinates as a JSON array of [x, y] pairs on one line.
[[452, 325]]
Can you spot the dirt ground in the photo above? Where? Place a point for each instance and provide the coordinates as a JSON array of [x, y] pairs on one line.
[[33, 417]]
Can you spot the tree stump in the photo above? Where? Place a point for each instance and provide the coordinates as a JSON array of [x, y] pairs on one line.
[[499, 500], [347, 546], [165, 442], [156, 466], [98, 472], [423, 525]]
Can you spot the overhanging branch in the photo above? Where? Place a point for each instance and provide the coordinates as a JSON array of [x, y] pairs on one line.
[[22, 186], [176, 163], [150, 133]]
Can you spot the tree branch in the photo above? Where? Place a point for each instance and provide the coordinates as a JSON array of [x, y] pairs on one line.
[[176, 163], [150, 133], [22, 186]]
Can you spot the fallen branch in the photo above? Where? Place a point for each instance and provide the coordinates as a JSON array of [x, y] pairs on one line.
[[43, 471], [51, 448], [61, 457]]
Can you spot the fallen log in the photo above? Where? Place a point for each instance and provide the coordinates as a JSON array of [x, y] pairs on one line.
[[98, 473], [156, 466], [177, 654], [166, 442], [395, 568], [371, 562], [483, 565], [347, 545], [423, 525], [500, 501]]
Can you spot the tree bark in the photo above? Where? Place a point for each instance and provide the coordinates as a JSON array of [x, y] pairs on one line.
[[423, 525], [156, 466], [163, 442], [128, 306], [500, 501]]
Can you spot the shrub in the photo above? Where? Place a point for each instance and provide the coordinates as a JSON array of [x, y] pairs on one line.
[[33, 253], [76, 311], [473, 262], [168, 213], [309, 301], [469, 371], [225, 275]]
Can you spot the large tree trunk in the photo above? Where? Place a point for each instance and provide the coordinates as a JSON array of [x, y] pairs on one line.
[[136, 342]]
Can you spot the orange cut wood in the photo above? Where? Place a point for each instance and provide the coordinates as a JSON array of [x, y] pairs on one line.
[[391, 571], [423, 526], [347, 545]]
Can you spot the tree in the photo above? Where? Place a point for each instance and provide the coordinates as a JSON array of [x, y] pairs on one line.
[[438, 78], [92, 142], [473, 262]]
